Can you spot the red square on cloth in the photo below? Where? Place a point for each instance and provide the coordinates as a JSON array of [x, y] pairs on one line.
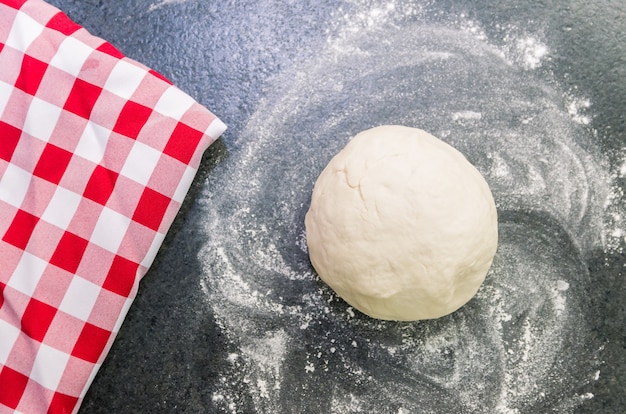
[[20, 229], [182, 143], [69, 252], [132, 119], [97, 152], [10, 137], [91, 343], [13, 386], [83, 97], [36, 319], [110, 50], [31, 74], [101, 184], [52, 163], [62, 403], [151, 208], [63, 24], [120, 279], [16, 4]]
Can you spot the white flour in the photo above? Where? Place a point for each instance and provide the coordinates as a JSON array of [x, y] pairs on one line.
[[162, 3], [505, 352]]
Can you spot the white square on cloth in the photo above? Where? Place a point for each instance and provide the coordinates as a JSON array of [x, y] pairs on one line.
[[41, 119], [80, 298], [14, 185], [61, 208], [9, 334], [93, 142], [49, 366], [27, 274], [174, 103], [71, 56], [24, 31], [5, 94], [110, 230], [140, 163], [124, 79]]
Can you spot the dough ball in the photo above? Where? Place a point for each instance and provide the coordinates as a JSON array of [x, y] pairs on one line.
[[401, 225]]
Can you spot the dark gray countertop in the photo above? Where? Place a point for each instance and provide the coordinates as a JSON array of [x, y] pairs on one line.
[[231, 317]]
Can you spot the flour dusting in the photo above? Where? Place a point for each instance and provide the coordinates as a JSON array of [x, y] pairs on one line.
[[532, 51], [300, 347], [161, 3], [466, 115]]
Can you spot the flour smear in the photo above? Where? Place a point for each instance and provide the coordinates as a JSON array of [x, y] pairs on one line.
[[524, 344]]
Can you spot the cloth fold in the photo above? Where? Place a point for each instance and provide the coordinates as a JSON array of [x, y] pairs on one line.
[[97, 153]]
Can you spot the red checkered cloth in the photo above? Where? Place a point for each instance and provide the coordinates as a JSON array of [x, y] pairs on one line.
[[97, 153]]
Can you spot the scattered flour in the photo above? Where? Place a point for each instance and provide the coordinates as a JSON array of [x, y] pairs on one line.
[[508, 351], [466, 115], [575, 107], [157, 5], [532, 51]]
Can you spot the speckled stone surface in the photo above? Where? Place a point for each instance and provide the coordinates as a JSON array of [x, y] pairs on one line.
[[231, 317]]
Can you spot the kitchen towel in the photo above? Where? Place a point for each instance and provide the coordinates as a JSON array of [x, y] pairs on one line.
[[97, 153]]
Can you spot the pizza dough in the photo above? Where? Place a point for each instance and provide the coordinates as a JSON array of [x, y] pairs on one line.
[[401, 225]]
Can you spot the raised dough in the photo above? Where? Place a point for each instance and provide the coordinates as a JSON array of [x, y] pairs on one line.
[[401, 225]]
